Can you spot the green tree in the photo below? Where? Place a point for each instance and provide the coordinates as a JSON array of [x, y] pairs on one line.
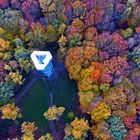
[[6, 92]]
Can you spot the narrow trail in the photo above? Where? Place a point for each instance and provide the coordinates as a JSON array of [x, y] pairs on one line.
[[21, 95], [36, 75], [51, 88]]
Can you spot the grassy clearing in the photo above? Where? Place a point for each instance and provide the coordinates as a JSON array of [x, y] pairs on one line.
[[36, 101], [64, 95]]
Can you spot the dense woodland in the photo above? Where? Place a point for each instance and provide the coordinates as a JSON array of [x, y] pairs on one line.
[[99, 44]]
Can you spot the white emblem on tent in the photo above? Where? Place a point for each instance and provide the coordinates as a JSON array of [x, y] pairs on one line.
[[41, 59]]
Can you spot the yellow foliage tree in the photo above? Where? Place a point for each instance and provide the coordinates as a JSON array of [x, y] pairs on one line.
[[28, 129], [10, 111], [62, 41], [7, 67], [62, 49], [54, 113], [100, 112], [25, 64], [79, 128], [15, 78]]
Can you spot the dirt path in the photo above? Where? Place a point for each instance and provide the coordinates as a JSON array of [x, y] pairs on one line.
[[50, 85], [22, 94], [51, 89]]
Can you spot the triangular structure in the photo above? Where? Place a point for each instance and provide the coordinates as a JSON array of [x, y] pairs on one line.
[[41, 59]]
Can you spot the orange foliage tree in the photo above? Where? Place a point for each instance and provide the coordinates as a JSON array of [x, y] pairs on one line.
[[82, 67]]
